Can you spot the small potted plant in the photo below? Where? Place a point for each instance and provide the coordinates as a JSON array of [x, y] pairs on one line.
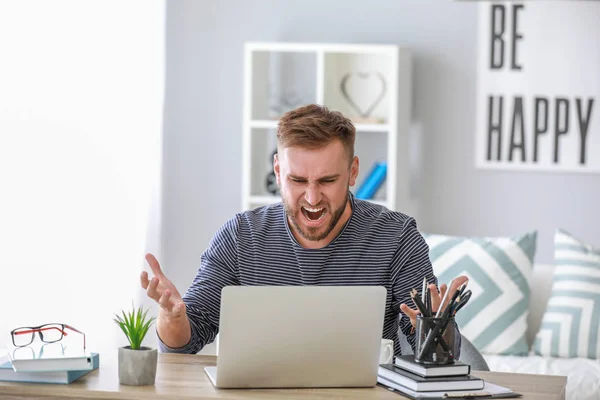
[[137, 363]]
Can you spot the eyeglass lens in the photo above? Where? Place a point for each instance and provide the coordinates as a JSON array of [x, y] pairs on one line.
[[47, 333]]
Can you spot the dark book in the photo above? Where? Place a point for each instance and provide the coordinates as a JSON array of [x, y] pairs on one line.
[[433, 384], [408, 363]]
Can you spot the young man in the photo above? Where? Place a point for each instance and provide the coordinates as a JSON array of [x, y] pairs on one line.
[[320, 234]]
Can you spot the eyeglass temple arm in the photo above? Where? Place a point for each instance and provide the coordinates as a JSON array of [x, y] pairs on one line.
[[78, 331]]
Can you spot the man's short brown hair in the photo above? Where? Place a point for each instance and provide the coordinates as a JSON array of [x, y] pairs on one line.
[[314, 127]]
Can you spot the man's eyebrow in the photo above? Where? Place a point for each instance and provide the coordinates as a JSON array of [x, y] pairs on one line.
[[323, 178], [329, 177]]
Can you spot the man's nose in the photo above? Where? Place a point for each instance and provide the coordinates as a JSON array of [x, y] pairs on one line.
[[313, 195]]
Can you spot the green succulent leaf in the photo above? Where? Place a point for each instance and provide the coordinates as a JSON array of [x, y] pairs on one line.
[[135, 325]]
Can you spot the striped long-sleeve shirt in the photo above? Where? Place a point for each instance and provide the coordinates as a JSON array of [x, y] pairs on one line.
[[376, 247]]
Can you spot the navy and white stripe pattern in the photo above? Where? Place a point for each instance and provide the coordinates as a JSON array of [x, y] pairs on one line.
[[376, 247]]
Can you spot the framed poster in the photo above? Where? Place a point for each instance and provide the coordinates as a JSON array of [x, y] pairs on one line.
[[538, 86]]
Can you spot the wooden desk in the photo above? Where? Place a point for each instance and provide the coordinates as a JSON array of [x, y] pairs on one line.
[[183, 376]]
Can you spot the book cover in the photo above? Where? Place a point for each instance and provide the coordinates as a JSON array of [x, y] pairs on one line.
[[372, 182], [408, 363], [50, 357], [489, 391], [420, 384], [7, 373]]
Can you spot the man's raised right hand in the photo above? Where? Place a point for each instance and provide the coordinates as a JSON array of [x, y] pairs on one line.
[[162, 290]]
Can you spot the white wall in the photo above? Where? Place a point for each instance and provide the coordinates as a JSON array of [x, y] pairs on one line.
[[204, 104], [81, 99]]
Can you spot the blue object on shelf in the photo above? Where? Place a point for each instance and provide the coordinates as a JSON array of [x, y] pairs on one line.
[[372, 182]]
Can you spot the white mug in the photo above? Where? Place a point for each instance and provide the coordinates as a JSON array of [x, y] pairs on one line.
[[386, 352]]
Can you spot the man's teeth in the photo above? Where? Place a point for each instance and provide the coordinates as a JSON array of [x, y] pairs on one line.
[[313, 209]]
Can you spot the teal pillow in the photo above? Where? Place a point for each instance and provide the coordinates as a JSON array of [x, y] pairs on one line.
[[571, 322], [499, 271]]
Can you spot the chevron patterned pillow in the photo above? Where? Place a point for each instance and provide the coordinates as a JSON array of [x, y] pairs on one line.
[[499, 271], [571, 324]]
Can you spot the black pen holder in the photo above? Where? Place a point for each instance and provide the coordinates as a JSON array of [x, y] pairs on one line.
[[436, 341]]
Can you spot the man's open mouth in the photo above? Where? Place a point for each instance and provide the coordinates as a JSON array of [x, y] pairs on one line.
[[313, 214]]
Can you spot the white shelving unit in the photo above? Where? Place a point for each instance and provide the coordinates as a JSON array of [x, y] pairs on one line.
[[281, 76]]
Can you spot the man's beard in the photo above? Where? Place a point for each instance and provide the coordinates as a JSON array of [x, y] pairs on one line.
[[311, 233]]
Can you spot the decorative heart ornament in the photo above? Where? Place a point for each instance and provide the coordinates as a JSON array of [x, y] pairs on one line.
[[354, 87]]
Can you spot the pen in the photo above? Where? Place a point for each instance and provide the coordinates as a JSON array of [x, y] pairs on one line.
[[463, 299], [419, 303], [425, 313], [454, 297], [439, 311], [428, 301], [438, 329]]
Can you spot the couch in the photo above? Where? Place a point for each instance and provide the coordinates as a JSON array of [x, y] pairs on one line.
[[583, 374]]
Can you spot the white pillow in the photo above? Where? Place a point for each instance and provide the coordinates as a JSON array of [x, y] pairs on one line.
[[571, 324], [499, 271]]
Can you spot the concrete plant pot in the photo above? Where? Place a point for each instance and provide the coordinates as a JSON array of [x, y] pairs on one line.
[[137, 367]]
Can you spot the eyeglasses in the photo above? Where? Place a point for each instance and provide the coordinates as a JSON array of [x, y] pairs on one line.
[[48, 333]]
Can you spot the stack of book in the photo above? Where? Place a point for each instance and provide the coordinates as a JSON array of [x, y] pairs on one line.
[[26, 364], [416, 380]]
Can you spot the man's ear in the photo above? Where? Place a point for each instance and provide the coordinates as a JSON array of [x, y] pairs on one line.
[[353, 171], [276, 168]]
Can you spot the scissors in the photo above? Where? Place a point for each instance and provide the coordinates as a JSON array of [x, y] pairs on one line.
[[464, 299]]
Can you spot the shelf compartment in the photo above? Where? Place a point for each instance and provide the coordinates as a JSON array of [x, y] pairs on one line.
[[371, 148], [262, 147], [281, 81], [355, 84]]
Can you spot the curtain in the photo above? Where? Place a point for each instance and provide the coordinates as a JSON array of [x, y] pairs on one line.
[[81, 114]]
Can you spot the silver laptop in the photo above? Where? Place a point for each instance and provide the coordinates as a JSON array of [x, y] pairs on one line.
[[299, 336]]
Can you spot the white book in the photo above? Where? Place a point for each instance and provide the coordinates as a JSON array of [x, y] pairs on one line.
[[7, 373], [50, 357], [489, 390]]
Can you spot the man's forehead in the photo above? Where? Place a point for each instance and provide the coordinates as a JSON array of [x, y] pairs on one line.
[[332, 154], [312, 166]]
